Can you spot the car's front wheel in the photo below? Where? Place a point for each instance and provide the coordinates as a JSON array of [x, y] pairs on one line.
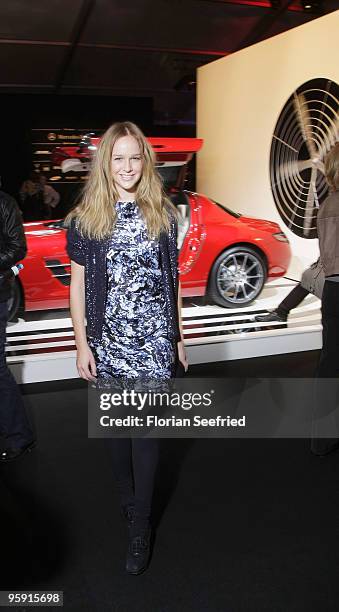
[[14, 301], [237, 277]]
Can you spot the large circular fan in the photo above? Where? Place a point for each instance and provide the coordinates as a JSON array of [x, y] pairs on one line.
[[306, 130]]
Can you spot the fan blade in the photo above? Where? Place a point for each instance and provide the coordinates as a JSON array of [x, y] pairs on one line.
[[291, 169], [331, 136], [294, 167], [302, 111], [312, 199]]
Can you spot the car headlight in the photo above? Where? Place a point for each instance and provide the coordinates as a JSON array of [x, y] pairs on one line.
[[280, 236]]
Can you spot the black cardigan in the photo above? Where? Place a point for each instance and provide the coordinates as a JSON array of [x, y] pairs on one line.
[[92, 253]]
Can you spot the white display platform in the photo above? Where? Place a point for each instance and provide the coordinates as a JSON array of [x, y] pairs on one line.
[[42, 348]]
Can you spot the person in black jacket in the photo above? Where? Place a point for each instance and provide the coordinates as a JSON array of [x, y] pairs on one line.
[[14, 424]]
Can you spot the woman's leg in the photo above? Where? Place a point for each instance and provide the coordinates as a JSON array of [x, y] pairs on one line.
[[329, 358], [281, 312], [145, 453], [121, 449], [324, 411], [292, 300]]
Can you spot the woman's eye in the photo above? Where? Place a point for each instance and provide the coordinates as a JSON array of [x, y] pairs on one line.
[[117, 159], [137, 158]]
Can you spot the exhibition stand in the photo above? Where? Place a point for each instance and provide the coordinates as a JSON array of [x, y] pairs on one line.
[[41, 348]]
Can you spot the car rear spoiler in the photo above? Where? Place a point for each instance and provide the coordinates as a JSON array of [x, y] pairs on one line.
[[175, 151], [167, 145], [169, 152]]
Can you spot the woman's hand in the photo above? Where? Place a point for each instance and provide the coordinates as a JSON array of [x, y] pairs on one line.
[[182, 354], [85, 363]]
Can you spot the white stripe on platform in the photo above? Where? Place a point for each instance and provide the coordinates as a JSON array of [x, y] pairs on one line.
[[29, 347], [40, 336], [303, 333]]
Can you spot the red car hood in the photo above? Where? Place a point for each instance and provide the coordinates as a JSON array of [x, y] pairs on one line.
[[42, 228]]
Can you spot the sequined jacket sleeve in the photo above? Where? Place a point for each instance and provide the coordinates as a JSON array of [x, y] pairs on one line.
[[169, 264], [76, 244], [173, 252]]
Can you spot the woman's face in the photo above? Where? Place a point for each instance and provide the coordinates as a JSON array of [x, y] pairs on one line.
[[126, 165]]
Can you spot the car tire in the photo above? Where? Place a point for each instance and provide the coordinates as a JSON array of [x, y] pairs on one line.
[[237, 277], [14, 302]]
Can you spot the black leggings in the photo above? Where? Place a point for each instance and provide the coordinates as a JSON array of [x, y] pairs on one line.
[[292, 300], [328, 367], [134, 465], [329, 358]]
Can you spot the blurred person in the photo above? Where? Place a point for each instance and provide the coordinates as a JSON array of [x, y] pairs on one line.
[[50, 195], [328, 234], [14, 424], [328, 367], [122, 242], [32, 199]]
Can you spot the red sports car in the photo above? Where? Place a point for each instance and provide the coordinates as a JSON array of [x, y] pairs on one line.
[[222, 253]]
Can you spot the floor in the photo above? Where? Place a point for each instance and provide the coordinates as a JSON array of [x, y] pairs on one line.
[[242, 525]]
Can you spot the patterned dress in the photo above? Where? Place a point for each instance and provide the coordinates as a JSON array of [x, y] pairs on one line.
[[134, 341]]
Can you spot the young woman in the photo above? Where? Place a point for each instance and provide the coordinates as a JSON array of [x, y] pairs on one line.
[[328, 234], [122, 245], [328, 367]]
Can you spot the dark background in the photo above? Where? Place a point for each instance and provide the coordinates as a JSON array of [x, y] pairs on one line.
[[22, 113], [75, 63]]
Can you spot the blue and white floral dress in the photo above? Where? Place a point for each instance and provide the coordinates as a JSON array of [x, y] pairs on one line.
[[135, 339]]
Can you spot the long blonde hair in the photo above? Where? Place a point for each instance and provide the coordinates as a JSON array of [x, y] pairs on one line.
[[332, 168], [95, 212]]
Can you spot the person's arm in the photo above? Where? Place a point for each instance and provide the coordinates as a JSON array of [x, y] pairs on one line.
[[85, 360], [15, 247], [181, 347], [54, 197]]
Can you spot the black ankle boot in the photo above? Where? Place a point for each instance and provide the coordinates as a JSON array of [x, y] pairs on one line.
[[128, 513], [274, 315], [139, 549]]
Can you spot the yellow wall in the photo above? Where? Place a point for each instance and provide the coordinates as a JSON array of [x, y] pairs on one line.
[[239, 101]]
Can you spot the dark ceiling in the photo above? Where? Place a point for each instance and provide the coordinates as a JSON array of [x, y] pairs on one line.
[[134, 47]]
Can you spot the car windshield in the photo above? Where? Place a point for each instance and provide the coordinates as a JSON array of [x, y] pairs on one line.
[[170, 176], [228, 210]]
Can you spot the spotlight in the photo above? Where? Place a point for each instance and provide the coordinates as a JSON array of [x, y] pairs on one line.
[[186, 83], [311, 5]]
